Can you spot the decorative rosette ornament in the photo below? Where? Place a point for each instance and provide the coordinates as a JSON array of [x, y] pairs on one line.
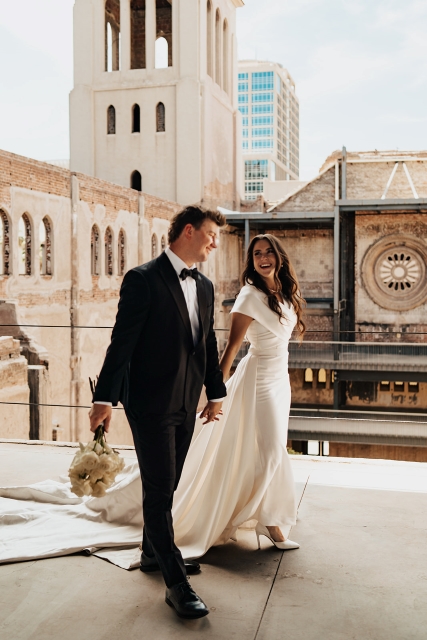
[[94, 467]]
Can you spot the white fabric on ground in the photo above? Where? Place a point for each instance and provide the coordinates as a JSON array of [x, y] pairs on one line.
[[237, 470]]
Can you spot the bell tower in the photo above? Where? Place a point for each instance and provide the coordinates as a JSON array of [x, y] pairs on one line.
[[154, 103]]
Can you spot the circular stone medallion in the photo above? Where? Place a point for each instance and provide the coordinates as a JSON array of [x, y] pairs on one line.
[[394, 272]]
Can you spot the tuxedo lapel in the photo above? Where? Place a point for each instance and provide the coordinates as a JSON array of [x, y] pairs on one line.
[[203, 302], [168, 274]]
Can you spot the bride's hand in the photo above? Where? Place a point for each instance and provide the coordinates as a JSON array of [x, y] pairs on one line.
[[211, 411]]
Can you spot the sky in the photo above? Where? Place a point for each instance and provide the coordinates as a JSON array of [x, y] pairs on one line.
[[359, 66]]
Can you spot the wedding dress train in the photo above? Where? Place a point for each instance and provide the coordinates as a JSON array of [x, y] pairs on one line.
[[237, 469]]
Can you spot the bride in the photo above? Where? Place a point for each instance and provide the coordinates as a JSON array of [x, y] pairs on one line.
[[237, 469]]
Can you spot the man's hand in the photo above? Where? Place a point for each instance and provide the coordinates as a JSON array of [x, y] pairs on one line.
[[100, 413], [211, 411]]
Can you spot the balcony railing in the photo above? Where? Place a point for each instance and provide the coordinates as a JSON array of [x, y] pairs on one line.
[[343, 355]]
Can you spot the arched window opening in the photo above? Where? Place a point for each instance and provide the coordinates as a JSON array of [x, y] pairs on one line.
[[112, 35], [108, 247], [308, 377], [45, 238], [136, 181], [209, 29], [94, 251], [154, 246], [111, 120], [225, 57], [321, 378], [137, 34], [122, 253], [164, 31], [136, 119], [161, 53], [5, 267], [163, 243], [218, 47], [160, 117], [25, 242]]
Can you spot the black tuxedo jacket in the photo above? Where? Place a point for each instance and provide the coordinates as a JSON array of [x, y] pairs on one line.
[[152, 365]]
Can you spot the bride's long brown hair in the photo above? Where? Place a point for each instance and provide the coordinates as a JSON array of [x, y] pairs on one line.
[[285, 280]]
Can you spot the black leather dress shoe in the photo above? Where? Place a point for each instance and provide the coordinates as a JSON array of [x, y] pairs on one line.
[[185, 601], [148, 564]]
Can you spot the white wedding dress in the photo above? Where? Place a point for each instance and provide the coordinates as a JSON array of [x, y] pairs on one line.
[[237, 469]]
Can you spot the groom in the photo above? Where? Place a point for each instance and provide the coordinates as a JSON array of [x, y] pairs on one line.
[[163, 350]]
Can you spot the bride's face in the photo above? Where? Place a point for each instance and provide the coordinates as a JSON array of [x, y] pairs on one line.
[[264, 259]]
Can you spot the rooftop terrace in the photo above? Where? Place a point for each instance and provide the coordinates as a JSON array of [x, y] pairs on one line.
[[361, 571]]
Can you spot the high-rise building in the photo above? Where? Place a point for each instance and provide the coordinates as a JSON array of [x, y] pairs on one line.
[[270, 124], [154, 103]]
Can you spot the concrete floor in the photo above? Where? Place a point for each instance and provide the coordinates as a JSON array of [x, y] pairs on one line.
[[361, 572]]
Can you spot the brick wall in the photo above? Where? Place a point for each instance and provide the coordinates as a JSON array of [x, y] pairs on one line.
[[26, 173]]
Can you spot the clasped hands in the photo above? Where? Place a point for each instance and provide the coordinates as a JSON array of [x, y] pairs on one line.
[[211, 411]]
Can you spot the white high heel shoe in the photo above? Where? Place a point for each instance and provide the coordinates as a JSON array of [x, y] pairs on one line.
[[261, 530]]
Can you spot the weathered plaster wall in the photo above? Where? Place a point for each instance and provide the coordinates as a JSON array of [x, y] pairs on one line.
[[14, 419]]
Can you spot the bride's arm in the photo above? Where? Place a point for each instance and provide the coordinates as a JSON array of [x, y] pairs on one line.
[[239, 325]]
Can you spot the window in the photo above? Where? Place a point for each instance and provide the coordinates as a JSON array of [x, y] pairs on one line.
[[160, 117], [243, 110], [163, 243], [321, 378], [121, 253], [245, 144], [263, 80], [163, 47], [154, 247], [218, 47], [25, 245], [136, 119], [111, 120], [108, 246], [5, 265], [262, 132], [262, 108], [225, 56], [413, 387], [209, 29], [243, 76], [112, 35], [253, 187], [161, 53], [259, 120], [136, 181], [262, 97], [243, 86], [308, 377], [384, 385], [399, 387], [94, 251], [242, 98], [45, 238], [245, 133], [245, 122], [262, 144], [256, 169], [137, 34]]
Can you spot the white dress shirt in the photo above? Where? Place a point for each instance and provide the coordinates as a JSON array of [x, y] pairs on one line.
[[189, 290]]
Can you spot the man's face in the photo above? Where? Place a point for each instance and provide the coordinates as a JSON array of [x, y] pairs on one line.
[[204, 240]]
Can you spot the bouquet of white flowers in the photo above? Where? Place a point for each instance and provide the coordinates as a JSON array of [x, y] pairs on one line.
[[94, 467]]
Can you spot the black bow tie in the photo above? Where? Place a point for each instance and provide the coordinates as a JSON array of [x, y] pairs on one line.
[[189, 273]]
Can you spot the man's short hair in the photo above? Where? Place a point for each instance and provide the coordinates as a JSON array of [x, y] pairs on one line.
[[195, 216]]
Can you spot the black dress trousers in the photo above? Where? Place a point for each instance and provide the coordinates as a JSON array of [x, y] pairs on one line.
[[161, 444]]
